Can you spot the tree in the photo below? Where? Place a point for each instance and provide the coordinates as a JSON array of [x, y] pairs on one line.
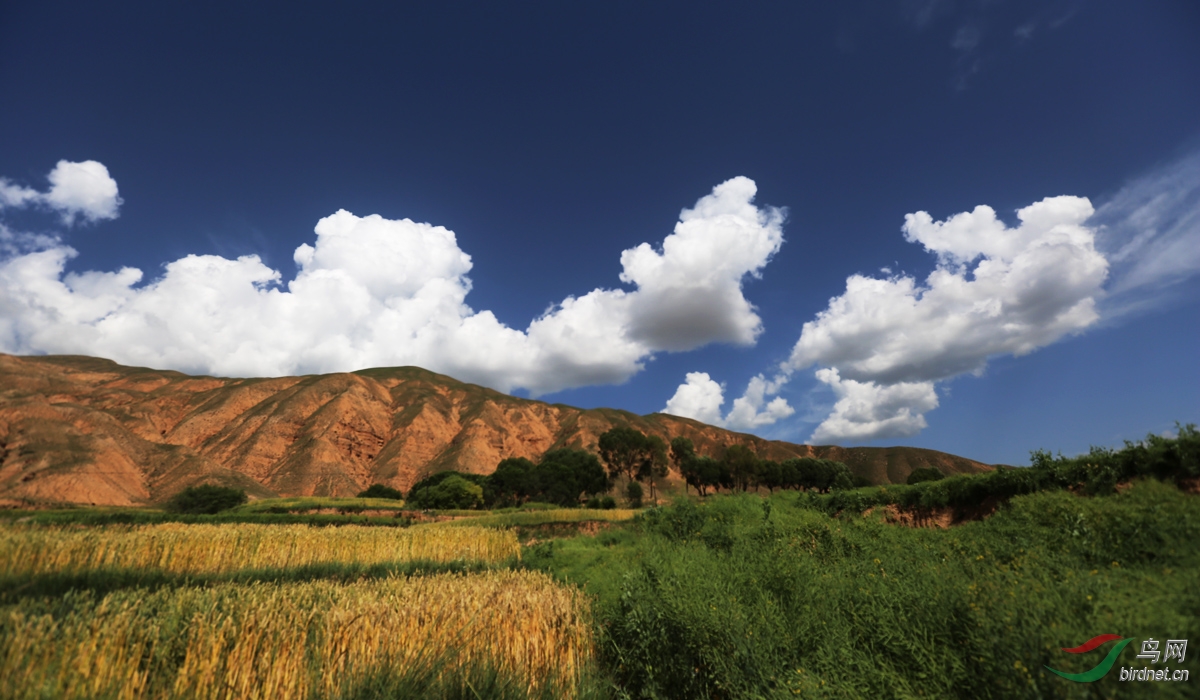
[[789, 474], [624, 450], [655, 467], [206, 499], [809, 473], [683, 454], [633, 491], [453, 492], [381, 491], [707, 473], [631, 454], [822, 474], [425, 493], [513, 481], [770, 474], [691, 474], [565, 476], [840, 476], [742, 464], [924, 474]]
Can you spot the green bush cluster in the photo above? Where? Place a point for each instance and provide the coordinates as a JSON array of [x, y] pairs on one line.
[[601, 502], [924, 474], [206, 499], [1100, 470], [1096, 473], [634, 493], [449, 490], [381, 491]]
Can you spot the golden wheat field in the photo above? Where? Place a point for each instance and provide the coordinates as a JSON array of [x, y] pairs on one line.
[[293, 640], [212, 549]]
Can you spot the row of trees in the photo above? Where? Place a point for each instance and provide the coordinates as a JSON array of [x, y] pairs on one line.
[[568, 477], [739, 468], [563, 477]]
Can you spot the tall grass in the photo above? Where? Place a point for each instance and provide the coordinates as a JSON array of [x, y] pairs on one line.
[[208, 549], [296, 640], [742, 597]]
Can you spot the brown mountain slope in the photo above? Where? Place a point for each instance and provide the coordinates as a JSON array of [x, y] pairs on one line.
[[87, 430]]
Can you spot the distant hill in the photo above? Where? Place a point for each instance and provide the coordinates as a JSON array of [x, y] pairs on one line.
[[87, 430]]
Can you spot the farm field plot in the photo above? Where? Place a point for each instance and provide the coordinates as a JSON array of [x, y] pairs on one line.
[[208, 549], [317, 639]]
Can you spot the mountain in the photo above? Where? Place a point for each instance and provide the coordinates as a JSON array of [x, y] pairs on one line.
[[87, 430]]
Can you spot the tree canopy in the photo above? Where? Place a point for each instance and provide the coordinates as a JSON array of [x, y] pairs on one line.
[[631, 454], [467, 491], [562, 476], [742, 464]]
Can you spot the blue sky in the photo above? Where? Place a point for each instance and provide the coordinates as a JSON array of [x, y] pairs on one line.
[[635, 205]]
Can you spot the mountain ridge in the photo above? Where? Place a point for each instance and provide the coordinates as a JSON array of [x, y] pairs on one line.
[[81, 429]]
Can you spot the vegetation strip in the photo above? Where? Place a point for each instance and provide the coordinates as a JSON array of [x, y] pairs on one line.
[[207, 549], [13, 589], [322, 638]]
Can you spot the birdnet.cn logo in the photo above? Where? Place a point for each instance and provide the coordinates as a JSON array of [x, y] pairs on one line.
[[1171, 650]]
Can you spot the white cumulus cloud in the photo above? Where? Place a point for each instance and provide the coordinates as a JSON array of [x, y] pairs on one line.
[[700, 397], [867, 410], [995, 290], [372, 292], [76, 189], [690, 293]]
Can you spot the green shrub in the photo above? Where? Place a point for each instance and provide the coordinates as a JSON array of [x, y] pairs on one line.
[[426, 494], [206, 499], [608, 502], [634, 493], [381, 491], [924, 474], [451, 493]]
